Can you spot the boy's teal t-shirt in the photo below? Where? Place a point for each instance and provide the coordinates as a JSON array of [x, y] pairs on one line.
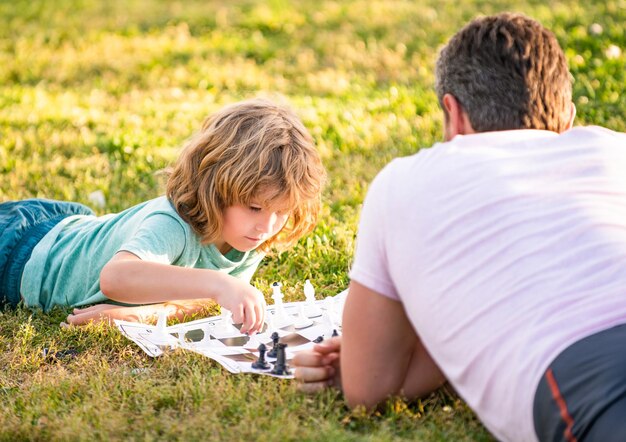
[[64, 268]]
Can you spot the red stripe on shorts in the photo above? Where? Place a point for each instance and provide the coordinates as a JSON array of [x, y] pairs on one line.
[[556, 394]]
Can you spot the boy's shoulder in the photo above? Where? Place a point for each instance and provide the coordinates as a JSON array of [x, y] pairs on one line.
[[161, 206], [156, 214]]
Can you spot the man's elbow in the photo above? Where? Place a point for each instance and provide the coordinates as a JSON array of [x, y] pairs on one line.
[[358, 396]]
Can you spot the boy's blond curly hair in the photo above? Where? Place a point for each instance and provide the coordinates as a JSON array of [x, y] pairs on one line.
[[247, 150]]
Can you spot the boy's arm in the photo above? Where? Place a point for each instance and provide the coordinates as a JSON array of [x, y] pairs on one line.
[[128, 279], [381, 355]]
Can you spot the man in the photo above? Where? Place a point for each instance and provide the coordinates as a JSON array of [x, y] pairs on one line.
[[495, 260]]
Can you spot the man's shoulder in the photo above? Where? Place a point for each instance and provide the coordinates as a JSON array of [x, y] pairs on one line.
[[594, 132], [424, 162], [401, 165]]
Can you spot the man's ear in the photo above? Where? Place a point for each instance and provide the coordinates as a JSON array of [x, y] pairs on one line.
[[572, 115], [457, 121]]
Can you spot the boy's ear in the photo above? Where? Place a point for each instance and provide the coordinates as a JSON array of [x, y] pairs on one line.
[[457, 121]]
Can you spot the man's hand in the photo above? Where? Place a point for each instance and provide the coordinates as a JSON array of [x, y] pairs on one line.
[[319, 368]]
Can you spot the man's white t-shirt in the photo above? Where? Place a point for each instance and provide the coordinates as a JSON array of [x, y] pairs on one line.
[[504, 248]]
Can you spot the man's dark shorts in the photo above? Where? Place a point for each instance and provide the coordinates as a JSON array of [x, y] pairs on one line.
[[22, 225], [582, 395]]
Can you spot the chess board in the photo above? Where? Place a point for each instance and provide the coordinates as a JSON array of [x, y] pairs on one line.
[[298, 325]]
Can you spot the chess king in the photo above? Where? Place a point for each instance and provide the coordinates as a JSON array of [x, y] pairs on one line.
[[495, 259]]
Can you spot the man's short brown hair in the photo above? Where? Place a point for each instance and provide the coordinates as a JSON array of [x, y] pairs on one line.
[[508, 72]]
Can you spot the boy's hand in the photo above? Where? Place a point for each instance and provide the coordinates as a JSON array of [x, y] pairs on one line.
[[246, 303], [319, 368]]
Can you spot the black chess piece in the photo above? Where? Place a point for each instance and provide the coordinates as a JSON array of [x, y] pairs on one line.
[[280, 366], [318, 339], [275, 338], [335, 332], [261, 363]]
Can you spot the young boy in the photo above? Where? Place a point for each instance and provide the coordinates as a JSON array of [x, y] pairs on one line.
[[249, 180]]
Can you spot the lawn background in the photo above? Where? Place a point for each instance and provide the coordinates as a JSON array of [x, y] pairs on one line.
[[99, 96]]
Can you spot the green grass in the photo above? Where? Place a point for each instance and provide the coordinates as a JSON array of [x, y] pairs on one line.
[[100, 95]]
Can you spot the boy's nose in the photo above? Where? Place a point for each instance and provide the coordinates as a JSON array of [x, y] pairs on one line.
[[265, 224]]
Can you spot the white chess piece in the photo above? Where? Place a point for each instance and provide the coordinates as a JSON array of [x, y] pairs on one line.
[[206, 339], [160, 336], [277, 294], [329, 301], [161, 325], [301, 320], [225, 325], [206, 329], [329, 317], [181, 338], [311, 309], [281, 318]]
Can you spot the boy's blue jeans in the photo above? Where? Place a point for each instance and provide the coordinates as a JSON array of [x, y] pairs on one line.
[[22, 225]]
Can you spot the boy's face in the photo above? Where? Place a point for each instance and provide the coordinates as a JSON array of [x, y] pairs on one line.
[[246, 227]]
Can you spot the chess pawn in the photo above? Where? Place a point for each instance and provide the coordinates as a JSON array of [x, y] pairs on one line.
[[309, 291], [206, 339], [281, 318], [311, 309], [161, 325], [206, 329], [329, 303], [261, 363], [272, 353], [181, 338], [329, 323], [160, 336], [226, 322]]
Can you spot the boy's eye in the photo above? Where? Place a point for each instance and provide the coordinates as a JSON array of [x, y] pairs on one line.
[[255, 208]]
